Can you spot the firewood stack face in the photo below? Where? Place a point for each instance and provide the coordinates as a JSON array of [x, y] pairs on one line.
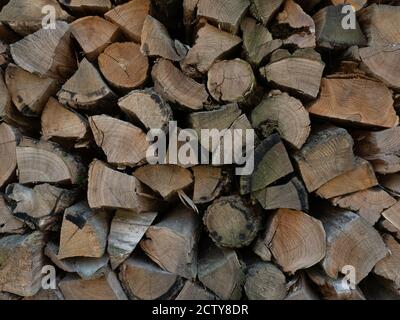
[[85, 83]]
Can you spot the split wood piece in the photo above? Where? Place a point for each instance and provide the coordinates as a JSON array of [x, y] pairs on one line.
[[167, 180], [87, 268], [264, 11], [392, 215], [28, 91], [327, 154], [301, 289], [295, 239], [212, 44], [300, 40], [124, 66], [284, 114], [40, 207], [330, 32], [391, 183], [292, 195], [9, 137], [334, 289], [86, 89], [264, 281], [380, 148], [26, 17], [389, 267], [208, 183], [369, 203], [221, 271], [156, 41], [83, 232], [106, 288], [360, 178], [231, 222], [94, 34], [46, 162], [340, 98], [130, 17], [193, 291], [8, 223], [258, 43], [127, 229], [21, 263], [144, 280], [122, 142], [148, 108], [293, 16], [231, 81], [46, 295], [351, 241], [379, 23], [172, 242], [109, 188], [177, 88], [226, 14], [357, 4], [87, 7], [383, 63], [271, 163], [300, 72], [63, 124], [47, 52]]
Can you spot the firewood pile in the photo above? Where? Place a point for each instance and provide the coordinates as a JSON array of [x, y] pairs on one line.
[[87, 214]]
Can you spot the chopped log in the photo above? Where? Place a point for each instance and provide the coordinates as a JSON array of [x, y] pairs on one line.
[[148, 108], [8, 223], [386, 226], [127, 229], [26, 17], [292, 195], [377, 288], [390, 183], [60, 123], [94, 34], [124, 66], [231, 223], [47, 52], [46, 295], [340, 97], [86, 89], [46, 162], [166, 180], [264, 11], [301, 289], [82, 7], [40, 207], [258, 43], [327, 154], [221, 272], [179, 229], [299, 73], [9, 137], [389, 267], [156, 42], [212, 44], [380, 148], [177, 88], [29, 92], [293, 16], [271, 163], [284, 114], [330, 32], [193, 291], [226, 14], [109, 188], [379, 23], [360, 178], [105, 288], [144, 280], [130, 17], [231, 81], [122, 142], [264, 281], [295, 239], [301, 40], [208, 183], [351, 241], [21, 263], [392, 215]]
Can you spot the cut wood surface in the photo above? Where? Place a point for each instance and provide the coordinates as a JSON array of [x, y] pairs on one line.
[[264, 11], [81, 7], [392, 215], [8, 157], [208, 183], [389, 267], [8, 223]]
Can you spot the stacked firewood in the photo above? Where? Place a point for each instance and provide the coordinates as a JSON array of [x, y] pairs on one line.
[[82, 84]]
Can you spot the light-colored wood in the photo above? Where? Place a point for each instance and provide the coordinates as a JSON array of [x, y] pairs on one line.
[[393, 215], [82, 7], [9, 137], [208, 183], [264, 11], [193, 291], [46, 295], [8, 223], [389, 267], [357, 4], [295, 239]]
